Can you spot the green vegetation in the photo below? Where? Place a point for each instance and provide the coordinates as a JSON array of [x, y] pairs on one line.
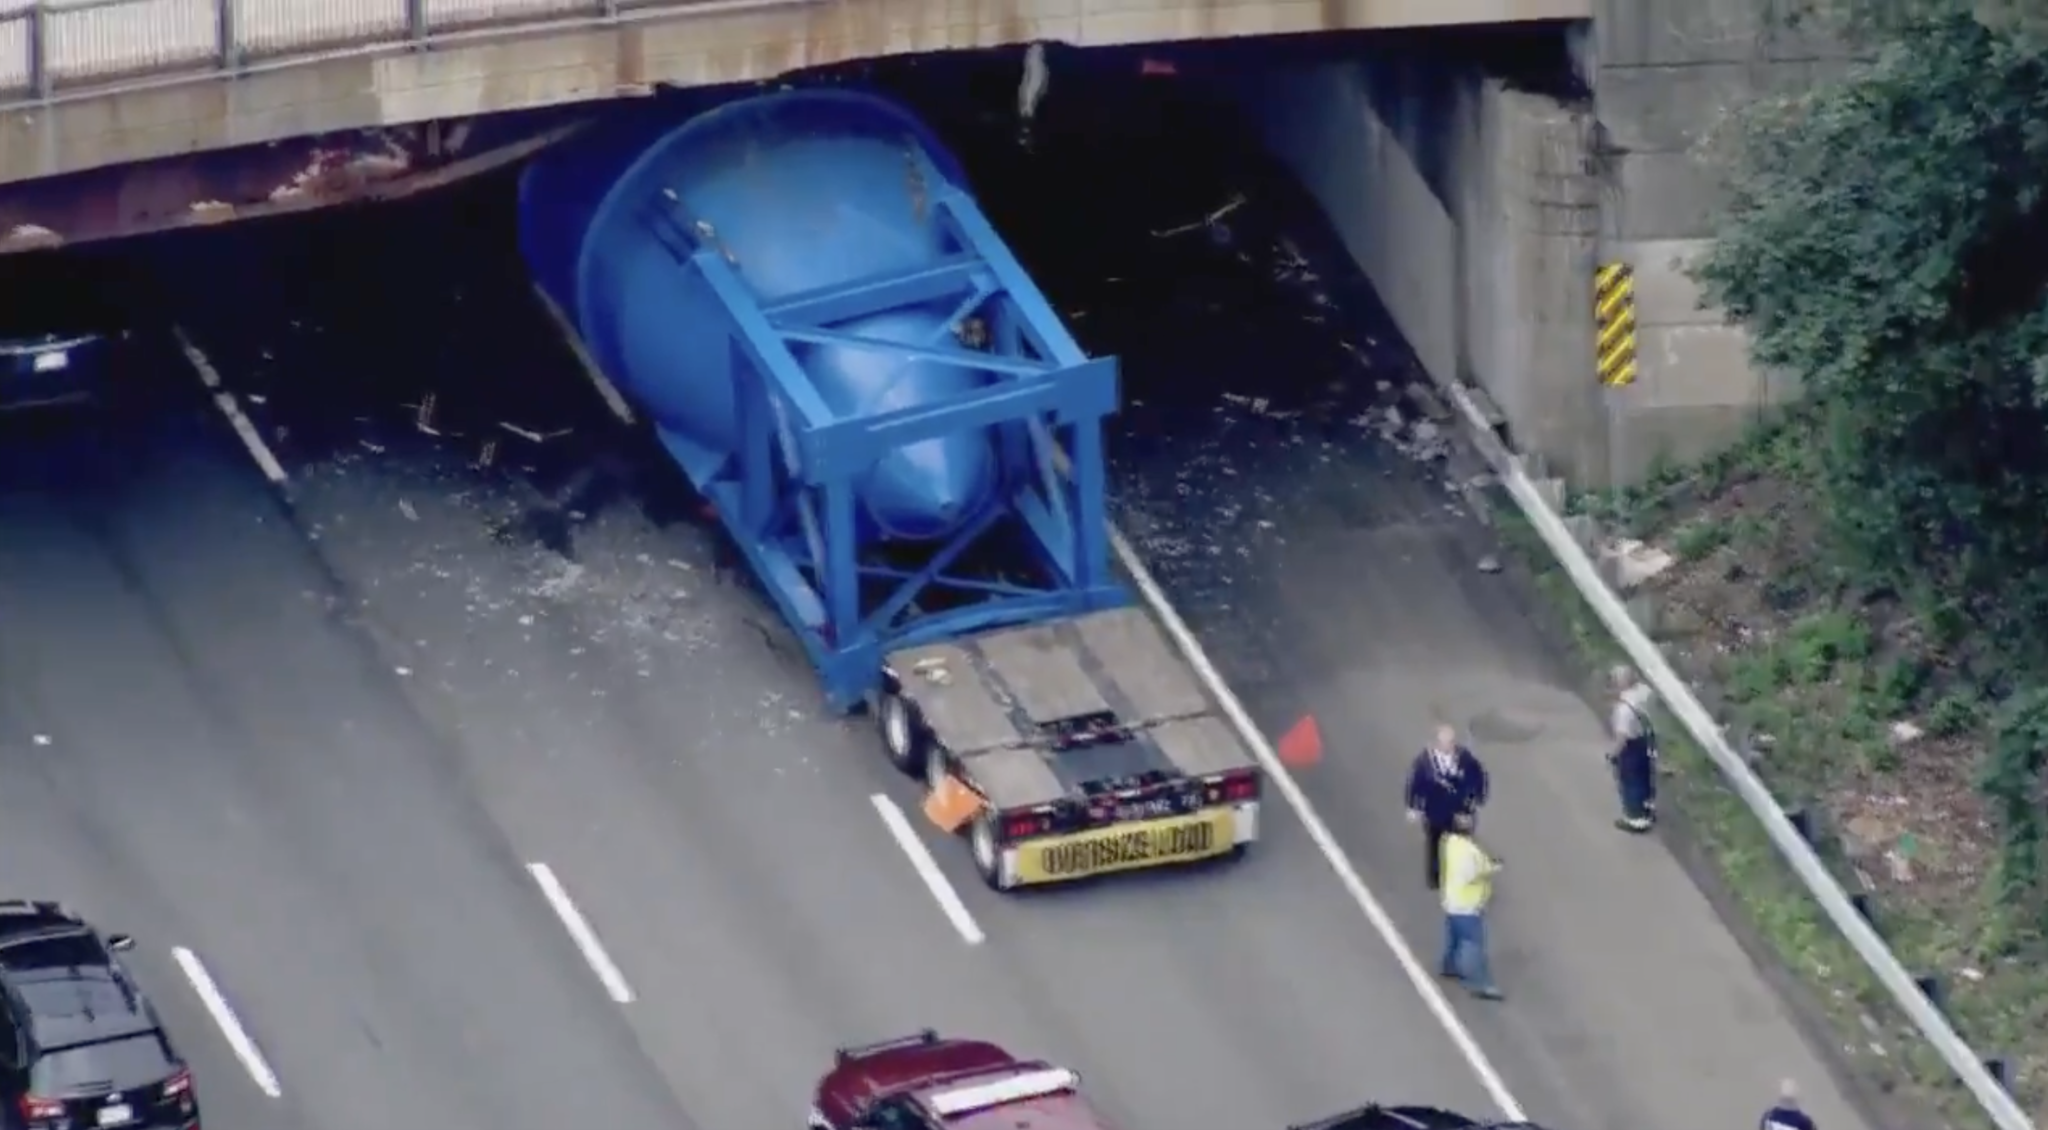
[[1866, 584]]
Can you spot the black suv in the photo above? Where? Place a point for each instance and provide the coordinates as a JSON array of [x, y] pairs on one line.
[[80, 1045]]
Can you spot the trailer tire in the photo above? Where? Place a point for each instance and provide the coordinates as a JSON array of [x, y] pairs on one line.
[[984, 849], [935, 770], [902, 734]]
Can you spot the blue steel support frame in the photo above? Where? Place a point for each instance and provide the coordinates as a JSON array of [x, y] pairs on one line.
[[787, 492]]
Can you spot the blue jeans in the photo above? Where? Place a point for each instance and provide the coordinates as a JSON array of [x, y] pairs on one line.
[[1635, 775], [1465, 951]]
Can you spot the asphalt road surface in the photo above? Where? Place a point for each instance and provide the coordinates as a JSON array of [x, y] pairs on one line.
[[199, 748], [323, 737]]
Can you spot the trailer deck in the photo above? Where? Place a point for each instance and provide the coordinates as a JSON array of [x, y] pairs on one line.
[[1000, 703]]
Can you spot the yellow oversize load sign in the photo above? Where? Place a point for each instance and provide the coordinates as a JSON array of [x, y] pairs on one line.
[[1127, 847]]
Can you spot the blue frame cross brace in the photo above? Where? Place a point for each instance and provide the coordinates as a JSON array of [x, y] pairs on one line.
[[787, 491]]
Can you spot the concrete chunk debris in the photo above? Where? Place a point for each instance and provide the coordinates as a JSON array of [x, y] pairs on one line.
[[1633, 563], [1031, 87], [532, 436], [423, 415], [1237, 200]]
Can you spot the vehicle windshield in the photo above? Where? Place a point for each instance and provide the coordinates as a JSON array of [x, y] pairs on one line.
[[117, 1065]]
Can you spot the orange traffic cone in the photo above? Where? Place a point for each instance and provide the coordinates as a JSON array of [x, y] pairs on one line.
[[952, 805], [1302, 745]]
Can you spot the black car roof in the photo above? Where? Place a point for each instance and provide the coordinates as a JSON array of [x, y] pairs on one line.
[[1377, 1117], [63, 981]]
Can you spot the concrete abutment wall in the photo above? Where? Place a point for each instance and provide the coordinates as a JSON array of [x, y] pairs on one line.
[[1479, 205], [1667, 75], [1473, 207]]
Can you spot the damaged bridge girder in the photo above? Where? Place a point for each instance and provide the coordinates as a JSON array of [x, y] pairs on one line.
[[247, 182]]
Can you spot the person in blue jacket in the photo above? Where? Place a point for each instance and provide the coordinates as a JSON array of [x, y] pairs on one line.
[[1785, 1114], [1446, 782]]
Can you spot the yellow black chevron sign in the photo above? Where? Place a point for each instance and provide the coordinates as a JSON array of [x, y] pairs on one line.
[[1614, 319]]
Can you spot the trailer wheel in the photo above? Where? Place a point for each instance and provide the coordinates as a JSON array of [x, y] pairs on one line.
[[902, 738], [988, 856]]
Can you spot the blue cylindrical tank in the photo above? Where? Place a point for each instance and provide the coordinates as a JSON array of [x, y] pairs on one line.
[[798, 190]]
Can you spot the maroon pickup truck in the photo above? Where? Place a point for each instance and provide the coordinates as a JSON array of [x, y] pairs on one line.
[[928, 1082]]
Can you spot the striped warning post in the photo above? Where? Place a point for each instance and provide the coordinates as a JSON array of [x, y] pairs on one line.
[[1614, 319]]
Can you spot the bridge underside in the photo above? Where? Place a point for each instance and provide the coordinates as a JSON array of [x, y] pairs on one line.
[[251, 181]]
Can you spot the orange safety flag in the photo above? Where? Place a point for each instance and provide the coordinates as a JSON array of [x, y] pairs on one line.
[[1302, 745], [952, 805]]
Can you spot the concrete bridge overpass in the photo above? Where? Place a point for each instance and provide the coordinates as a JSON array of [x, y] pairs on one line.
[[1479, 210], [95, 83]]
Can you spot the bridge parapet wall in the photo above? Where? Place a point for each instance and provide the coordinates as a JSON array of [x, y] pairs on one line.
[[90, 83]]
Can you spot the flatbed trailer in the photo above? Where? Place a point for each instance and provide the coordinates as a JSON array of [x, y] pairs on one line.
[[869, 393], [1089, 743]]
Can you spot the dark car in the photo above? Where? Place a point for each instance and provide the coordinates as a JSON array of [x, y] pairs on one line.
[[80, 1045], [52, 369], [1376, 1117], [63, 330], [926, 1082]]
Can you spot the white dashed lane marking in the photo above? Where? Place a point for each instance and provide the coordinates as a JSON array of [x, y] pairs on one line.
[[582, 933]]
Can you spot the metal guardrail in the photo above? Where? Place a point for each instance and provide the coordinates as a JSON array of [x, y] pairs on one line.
[[1969, 1067], [58, 49]]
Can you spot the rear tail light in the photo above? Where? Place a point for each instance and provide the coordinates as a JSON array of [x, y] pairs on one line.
[[1234, 789], [35, 1108], [1027, 824], [179, 1083]]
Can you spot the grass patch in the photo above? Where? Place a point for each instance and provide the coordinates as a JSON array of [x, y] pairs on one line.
[[1820, 686]]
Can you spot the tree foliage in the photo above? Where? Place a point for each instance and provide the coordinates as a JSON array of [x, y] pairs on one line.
[[1887, 240]]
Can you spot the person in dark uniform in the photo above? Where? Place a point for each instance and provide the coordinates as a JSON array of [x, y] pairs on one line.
[[1786, 1115], [1446, 782], [1634, 752]]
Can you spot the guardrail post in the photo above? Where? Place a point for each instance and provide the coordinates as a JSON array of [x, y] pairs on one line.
[[1802, 822], [416, 22], [230, 41], [39, 49], [1861, 901], [1930, 987], [2000, 1071]]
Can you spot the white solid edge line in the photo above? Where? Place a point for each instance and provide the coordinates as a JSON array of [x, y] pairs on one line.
[[580, 932], [1333, 853], [224, 1018], [225, 401], [927, 869]]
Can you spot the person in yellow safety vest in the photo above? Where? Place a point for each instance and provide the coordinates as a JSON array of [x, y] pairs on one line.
[[1468, 873]]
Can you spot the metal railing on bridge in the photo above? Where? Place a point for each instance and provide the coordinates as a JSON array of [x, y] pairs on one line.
[[54, 50]]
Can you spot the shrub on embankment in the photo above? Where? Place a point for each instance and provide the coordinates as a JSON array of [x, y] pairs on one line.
[[1865, 589], [1887, 240]]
